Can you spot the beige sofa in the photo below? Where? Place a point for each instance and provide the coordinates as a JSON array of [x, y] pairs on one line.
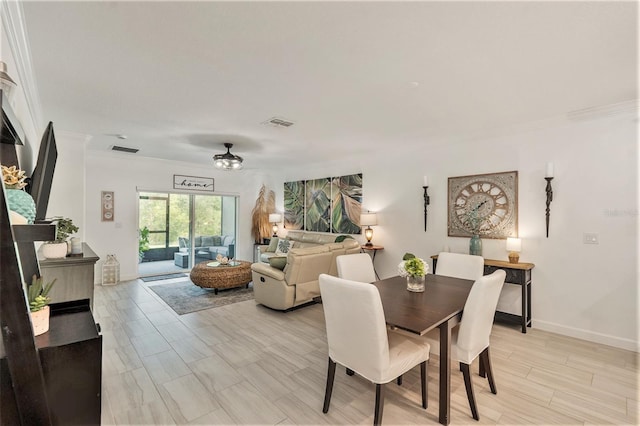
[[298, 282]]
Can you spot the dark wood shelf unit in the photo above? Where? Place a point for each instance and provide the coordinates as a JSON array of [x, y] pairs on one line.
[[54, 378]]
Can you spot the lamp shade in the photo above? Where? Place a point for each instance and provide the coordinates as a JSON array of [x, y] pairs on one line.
[[368, 219], [275, 218], [514, 244]]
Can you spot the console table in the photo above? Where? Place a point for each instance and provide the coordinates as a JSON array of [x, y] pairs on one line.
[[517, 273]]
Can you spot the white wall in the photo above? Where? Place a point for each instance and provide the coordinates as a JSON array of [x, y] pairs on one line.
[[123, 174], [585, 291]]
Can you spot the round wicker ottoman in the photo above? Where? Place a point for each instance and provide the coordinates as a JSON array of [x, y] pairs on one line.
[[219, 277]]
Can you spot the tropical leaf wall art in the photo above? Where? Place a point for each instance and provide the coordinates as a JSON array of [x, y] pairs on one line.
[[294, 205], [346, 204], [318, 205], [324, 205]]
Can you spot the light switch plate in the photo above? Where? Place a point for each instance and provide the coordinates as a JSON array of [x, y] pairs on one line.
[[590, 238]]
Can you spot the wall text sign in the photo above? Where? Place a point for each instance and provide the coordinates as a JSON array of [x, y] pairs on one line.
[[193, 183]]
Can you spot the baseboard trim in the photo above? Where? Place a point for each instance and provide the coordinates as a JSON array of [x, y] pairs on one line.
[[591, 336]]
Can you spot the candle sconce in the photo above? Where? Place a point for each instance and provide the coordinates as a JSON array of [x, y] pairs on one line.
[[426, 203], [549, 191]]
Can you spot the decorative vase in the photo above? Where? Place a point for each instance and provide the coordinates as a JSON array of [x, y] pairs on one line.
[[40, 321], [22, 203], [475, 245], [415, 284], [57, 250]]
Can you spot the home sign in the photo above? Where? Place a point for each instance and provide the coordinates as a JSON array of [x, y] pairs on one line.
[[193, 183]]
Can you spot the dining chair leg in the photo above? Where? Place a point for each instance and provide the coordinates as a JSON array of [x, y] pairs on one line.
[[350, 372], [331, 373], [469, 386], [424, 382], [485, 360], [481, 370], [399, 380], [377, 417]]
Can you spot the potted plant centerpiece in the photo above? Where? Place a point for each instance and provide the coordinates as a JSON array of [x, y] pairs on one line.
[[414, 269], [59, 248], [38, 296]]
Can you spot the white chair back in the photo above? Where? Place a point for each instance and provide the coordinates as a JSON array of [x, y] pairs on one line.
[[356, 330], [459, 265], [356, 267], [477, 317]]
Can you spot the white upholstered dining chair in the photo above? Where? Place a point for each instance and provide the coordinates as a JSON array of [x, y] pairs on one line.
[[357, 338], [356, 267], [460, 265], [472, 339]]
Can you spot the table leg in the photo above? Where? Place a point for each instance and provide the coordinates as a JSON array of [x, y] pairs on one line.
[[445, 373], [529, 321], [525, 305], [373, 261]]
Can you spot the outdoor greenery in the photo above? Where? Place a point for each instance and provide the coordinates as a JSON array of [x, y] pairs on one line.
[[158, 209], [143, 242]]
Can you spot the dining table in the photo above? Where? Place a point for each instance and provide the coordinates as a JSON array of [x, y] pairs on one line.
[[439, 306]]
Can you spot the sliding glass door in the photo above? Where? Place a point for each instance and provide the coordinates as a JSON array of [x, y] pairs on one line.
[[178, 230]]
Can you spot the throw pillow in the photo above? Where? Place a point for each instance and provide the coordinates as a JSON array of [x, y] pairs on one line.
[[273, 245], [207, 242], [217, 240], [284, 246], [278, 262]]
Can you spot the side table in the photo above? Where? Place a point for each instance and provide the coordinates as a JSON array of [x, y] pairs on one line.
[[374, 249]]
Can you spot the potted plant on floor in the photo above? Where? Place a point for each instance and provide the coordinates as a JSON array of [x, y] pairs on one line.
[[59, 248], [143, 243], [38, 296]]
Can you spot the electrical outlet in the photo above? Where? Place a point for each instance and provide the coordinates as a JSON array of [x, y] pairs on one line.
[[590, 238]]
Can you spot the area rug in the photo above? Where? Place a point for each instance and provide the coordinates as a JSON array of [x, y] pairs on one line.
[[162, 277], [185, 297]]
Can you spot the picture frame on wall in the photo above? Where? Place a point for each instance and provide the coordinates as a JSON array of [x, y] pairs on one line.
[[484, 205], [107, 206]]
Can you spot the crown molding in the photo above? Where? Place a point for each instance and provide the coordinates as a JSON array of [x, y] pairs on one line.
[[16, 31]]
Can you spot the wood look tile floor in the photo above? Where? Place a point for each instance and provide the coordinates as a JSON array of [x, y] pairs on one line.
[[246, 364]]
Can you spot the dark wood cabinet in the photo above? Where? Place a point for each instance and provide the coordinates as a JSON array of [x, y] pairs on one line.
[[71, 359]]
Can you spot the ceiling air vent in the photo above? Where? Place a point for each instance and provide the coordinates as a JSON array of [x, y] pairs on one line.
[[124, 149], [278, 122]]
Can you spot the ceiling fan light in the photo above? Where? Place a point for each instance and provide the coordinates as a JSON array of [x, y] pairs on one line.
[[227, 161]]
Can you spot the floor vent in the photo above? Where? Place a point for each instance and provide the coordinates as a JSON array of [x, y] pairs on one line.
[[278, 122], [124, 149]]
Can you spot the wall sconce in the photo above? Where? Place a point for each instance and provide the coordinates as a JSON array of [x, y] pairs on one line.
[[368, 220], [275, 219], [425, 186], [514, 246], [549, 178]]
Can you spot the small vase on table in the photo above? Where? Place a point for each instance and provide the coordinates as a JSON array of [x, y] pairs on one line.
[[415, 283]]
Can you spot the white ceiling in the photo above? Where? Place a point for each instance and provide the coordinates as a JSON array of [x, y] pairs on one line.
[[179, 79]]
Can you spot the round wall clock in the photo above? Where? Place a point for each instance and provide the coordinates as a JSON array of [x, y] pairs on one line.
[[483, 204]]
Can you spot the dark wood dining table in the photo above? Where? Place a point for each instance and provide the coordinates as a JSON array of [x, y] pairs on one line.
[[439, 306]]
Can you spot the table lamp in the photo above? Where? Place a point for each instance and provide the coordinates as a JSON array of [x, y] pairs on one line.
[[368, 220], [275, 219], [514, 246]]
